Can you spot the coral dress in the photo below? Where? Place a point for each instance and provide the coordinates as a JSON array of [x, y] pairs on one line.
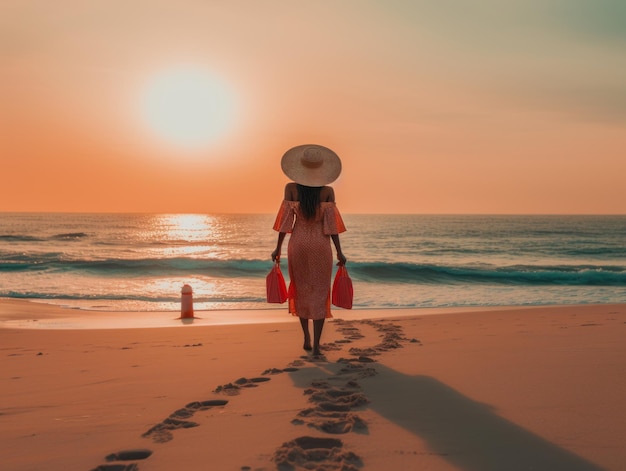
[[310, 257]]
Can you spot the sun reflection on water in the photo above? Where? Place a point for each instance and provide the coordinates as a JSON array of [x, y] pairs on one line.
[[196, 235], [188, 227]]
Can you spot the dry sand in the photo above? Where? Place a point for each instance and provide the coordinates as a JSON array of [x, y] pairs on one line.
[[539, 388]]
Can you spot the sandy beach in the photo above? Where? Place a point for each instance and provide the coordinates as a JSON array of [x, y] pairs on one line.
[[537, 388]]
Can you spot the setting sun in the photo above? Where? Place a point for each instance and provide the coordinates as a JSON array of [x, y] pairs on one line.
[[187, 107]]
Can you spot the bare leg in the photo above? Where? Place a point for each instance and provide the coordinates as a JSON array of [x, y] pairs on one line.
[[307, 337], [318, 325]]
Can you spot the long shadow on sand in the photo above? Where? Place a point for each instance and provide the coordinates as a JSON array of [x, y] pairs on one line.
[[466, 433]]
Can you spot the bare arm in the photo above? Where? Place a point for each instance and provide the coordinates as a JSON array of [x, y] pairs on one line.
[[279, 244], [340, 256], [291, 193], [329, 195]]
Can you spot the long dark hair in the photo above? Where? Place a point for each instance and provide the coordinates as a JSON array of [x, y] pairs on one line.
[[309, 197]]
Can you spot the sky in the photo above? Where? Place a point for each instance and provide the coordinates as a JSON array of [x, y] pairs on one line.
[[435, 107]]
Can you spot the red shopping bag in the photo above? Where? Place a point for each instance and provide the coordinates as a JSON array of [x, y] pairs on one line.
[[342, 289], [276, 287]]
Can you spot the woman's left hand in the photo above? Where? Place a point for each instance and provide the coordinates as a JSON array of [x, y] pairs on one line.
[[275, 255], [342, 259]]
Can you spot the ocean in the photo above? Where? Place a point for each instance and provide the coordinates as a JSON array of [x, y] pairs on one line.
[[139, 262]]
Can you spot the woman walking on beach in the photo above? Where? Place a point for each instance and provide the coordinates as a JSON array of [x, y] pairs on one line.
[[309, 213]]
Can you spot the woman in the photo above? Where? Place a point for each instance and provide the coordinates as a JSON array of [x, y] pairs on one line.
[[309, 213]]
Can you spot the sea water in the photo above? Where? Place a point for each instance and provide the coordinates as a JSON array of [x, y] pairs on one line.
[[139, 262]]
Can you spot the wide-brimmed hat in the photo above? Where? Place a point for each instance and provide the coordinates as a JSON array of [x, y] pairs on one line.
[[311, 165]]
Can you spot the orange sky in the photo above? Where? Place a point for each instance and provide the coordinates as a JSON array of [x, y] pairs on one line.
[[434, 107]]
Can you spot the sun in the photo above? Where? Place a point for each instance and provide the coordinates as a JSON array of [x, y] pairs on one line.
[[188, 106]]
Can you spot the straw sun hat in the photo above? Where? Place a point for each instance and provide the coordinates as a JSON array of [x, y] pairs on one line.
[[311, 165]]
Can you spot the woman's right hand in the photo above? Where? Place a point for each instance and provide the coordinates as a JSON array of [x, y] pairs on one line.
[[342, 259]]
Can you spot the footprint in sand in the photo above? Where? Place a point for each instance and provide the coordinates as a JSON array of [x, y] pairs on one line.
[[364, 352], [324, 453], [129, 455], [347, 329], [232, 389], [125, 455], [162, 432], [355, 370], [332, 346], [333, 408], [117, 467]]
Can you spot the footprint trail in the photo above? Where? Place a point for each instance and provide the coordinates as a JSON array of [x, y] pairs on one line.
[[334, 403]]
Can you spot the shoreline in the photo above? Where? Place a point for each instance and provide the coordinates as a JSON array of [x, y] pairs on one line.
[[512, 388], [35, 314]]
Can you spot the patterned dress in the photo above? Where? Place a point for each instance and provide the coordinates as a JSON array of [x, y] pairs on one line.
[[310, 257]]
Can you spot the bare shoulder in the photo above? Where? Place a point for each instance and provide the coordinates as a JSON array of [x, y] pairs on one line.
[[327, 194], [291, 191]]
